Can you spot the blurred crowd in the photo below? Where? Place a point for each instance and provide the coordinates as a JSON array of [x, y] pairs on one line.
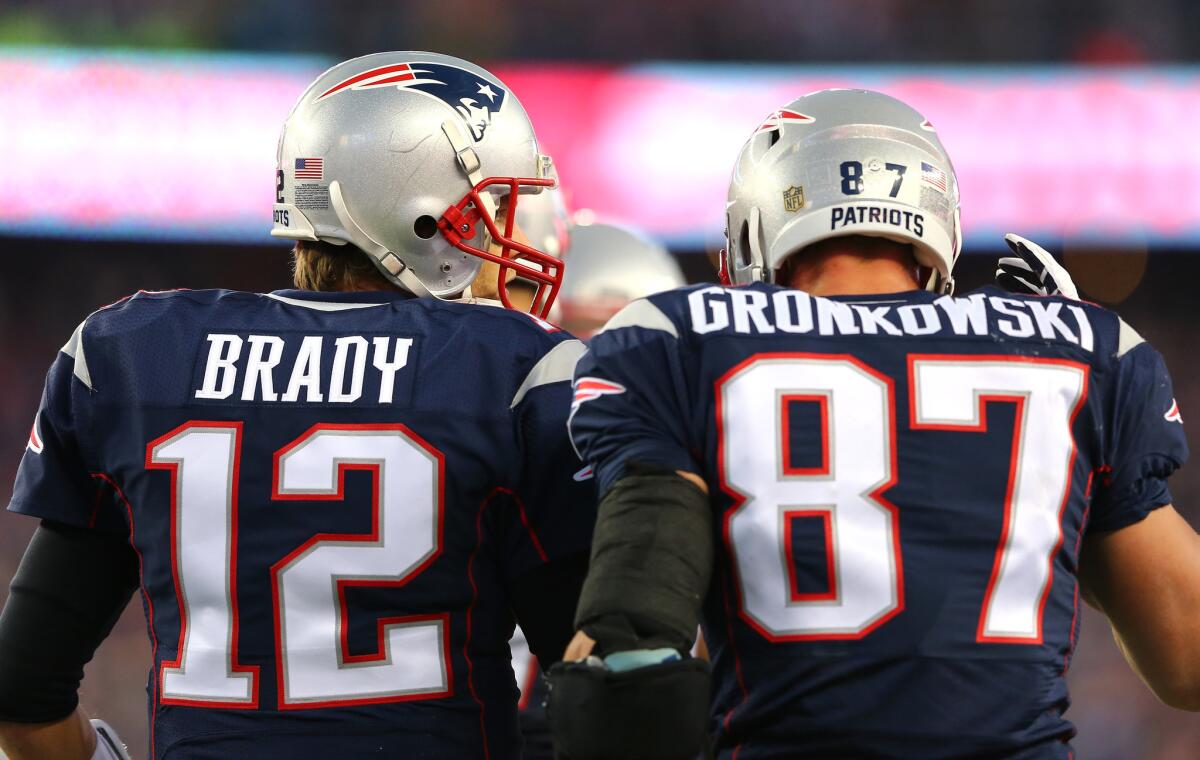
[[868, 31]]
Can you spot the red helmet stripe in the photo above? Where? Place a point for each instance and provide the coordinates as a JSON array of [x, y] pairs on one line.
[[380, 71]]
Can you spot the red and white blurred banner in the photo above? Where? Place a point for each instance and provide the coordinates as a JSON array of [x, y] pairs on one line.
[[183, 145]]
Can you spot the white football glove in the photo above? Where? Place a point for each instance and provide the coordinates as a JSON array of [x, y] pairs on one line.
[[1033, 271], [108, 745]]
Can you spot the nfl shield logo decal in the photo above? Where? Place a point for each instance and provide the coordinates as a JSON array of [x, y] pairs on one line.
[[793, 199]]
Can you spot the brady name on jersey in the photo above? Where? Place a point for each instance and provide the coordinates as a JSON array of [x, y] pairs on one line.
[[303, 367]]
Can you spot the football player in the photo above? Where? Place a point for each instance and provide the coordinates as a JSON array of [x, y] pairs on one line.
[[887, 500], [335, 499]]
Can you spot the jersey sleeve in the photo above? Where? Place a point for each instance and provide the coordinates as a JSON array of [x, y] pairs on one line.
[[631, 403], [1145, 442], [547, 518], [54, 481], [554, 498]]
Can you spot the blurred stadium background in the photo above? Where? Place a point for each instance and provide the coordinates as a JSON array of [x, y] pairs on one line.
[[139, 143]]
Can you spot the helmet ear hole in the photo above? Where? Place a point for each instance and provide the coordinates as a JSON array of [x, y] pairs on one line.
[[425, 227]]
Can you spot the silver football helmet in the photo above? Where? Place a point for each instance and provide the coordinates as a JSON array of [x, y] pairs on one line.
[[412, 157], [841, 162], [611, 265]]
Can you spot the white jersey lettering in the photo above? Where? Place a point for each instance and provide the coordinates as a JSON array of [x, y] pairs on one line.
[[308, 368], [754, 312]]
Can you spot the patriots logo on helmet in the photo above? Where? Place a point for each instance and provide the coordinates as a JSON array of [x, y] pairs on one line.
[[474, 98], [784, 116]]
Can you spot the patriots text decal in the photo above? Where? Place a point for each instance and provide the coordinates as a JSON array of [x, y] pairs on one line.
[[474, 98]]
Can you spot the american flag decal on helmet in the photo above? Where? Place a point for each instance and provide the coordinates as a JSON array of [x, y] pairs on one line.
[[784, 116], [592, 388]]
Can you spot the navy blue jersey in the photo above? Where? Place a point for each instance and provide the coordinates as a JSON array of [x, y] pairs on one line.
[[332, 497], [900, 486]]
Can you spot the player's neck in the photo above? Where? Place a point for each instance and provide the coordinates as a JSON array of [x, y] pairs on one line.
[[850, 271]]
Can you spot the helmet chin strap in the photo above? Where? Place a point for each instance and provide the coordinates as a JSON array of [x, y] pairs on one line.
[[468, 161], [938, 285], [386, 260]]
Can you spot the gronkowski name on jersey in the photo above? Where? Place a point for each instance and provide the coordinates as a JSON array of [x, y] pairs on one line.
[[900, 486], [332, 496]]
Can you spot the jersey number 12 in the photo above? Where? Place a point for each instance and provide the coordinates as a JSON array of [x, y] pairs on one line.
[[314, 665]]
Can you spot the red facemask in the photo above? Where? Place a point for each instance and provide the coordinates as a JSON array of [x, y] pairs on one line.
[[545, 271]]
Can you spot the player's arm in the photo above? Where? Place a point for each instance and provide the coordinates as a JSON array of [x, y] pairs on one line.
[[1140, 562], [1146, 579], [637, 693], [1146, 576], [651, 555], [650, 567], [70, 738], [596, 610], [652, 552], [70, 588], [76, 576]]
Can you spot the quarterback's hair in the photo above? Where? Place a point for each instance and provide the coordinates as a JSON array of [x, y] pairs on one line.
[[317, 265]]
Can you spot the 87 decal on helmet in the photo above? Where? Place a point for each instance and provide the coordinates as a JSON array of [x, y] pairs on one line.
[[407, 156]]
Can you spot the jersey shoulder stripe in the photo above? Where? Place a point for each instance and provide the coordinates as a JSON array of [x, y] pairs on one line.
[[557, 365], [644, 314]]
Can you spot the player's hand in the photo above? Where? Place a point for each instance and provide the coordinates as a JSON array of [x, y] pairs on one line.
[[1033, 271], [579, 648]]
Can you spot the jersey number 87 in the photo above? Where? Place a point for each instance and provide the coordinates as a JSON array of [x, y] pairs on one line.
[[866, 572]]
